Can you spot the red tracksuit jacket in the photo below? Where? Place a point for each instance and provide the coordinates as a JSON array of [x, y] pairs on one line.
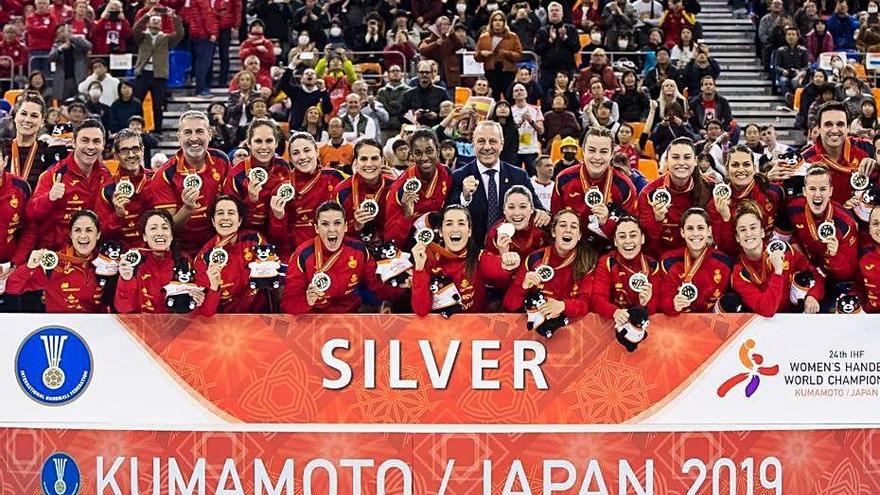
[[201, 19], [573, 182], [52, 218], [166, 189], [766, 293], [711, 275], [472, 288], [15, 241], [842, 266], [349, 267], [663, 236], [18, 52], [563, 286], [144, 293], [432, 196], [71, 287], [869, 267], [724, 233], [124, 229], [524, 242], [237, 182], [351, 192], [854, 150], [297, 225], [235, 294], [40, 31], [611, 290]]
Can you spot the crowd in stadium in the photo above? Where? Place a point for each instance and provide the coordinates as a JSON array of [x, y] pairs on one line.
[[335, 180]]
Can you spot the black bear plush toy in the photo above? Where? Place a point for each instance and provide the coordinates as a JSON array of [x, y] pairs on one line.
[[392, 264], [178, 295], [635, 330], [267, 271], [107, 262], [535, 320], [446, 299], [848, 304]]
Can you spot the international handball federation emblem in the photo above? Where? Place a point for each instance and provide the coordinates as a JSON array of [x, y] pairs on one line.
[[60, 475], [753, 363], [53, 365]]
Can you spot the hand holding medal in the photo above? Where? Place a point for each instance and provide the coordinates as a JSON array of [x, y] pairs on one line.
[[660, 201], [192, 189], [640, 283]]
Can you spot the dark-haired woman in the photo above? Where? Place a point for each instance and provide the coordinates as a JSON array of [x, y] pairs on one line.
[[459, 262], [366, 188], [229, 291], [263, 136], [71, 286], [680, 188], [504, 116], [698, 263], [126, 107], [568, 292], [762, 279], [626, 277], [519, 211], [141, 288], [324, 275], [37, 83], [745, 184], [28, 157]]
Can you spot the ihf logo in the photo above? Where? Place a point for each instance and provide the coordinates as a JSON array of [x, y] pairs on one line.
[[60, 475], [53, 365]]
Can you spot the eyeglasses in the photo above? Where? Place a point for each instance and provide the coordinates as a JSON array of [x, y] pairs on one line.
[[129, 151]]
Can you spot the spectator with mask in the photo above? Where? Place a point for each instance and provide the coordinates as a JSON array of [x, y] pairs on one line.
[[109, 84], [842, 27], [259, 46], [619, 17], [556, 44]]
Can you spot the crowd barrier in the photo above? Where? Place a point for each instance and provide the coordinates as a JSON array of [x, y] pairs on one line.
[[475, 404]]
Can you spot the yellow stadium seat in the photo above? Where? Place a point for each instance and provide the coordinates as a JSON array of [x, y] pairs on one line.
[[11, 95], [861, 73], [798, 94], [112, 166], [876, 93], [638, 130], [462, 95], [584, 39], [649, 150], [649, 168], [149, 123]]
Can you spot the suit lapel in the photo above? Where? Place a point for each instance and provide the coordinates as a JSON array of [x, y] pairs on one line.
[[503, 181]]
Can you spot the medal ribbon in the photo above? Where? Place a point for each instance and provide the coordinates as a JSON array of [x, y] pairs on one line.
[[413, 172], [545, 260], [586, 185], [183, 166], [441, 252], [308, 187], [320, 266], [644, 264], [747, 264], [746, 190], [811, 224], [69, 256], [667, 183], [356, 201], [16, 166], [691, 267]]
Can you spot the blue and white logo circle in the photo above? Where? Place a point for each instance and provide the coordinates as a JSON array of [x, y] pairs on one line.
[[60, 475], [53, 365]]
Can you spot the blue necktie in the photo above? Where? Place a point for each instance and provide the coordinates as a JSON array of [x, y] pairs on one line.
[[494, 211]]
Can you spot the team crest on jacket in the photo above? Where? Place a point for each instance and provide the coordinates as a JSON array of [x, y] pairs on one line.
[[60, 475], [53, 366]]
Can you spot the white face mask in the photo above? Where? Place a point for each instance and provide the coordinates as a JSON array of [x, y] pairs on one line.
[[335, 31], [623, 44], [95, 93], [851, 92], [461, 7], [872, 9], [303, 40], [596, 37]]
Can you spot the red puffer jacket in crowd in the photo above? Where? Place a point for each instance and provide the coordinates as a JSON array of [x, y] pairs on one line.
[[18, 52], [228, 13], [201, 19], [71, 287], [109, 34], [40, 30], [80, 193], [251, 46]]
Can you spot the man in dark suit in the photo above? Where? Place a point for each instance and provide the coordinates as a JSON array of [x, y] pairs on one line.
[[481, 184]]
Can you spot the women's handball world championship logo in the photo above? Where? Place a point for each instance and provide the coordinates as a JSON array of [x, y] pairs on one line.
[[60, 475], [753, 363], [53, 365]]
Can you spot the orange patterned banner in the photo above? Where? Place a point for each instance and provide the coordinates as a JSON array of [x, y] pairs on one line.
[[88, 462], [400, 369]]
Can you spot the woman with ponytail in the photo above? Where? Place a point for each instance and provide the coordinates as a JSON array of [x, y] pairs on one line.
[[763, 276], [745, 184], [567, 292], [705, 268], [455, 264], [662, 203]]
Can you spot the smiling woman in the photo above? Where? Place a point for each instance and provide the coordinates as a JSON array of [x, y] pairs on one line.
[[68, 277]]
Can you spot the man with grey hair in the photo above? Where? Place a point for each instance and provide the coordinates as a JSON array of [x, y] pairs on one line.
[[187, 184], [481, 184], [120, 208], [556, 44], [370, 107], [356, 124]]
